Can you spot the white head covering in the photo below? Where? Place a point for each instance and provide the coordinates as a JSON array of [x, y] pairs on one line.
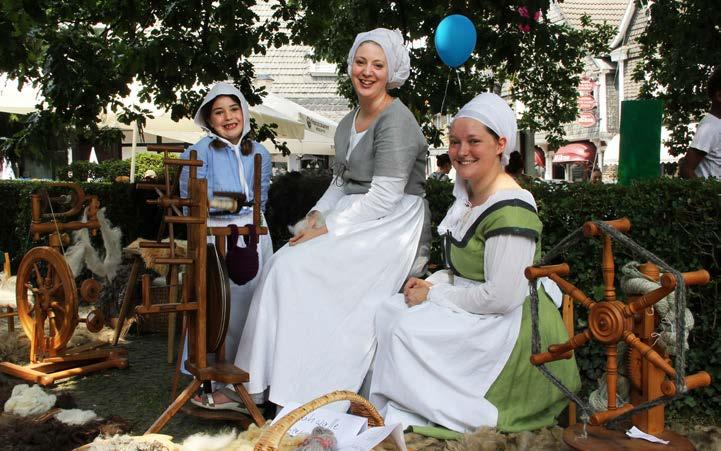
[[493, 112], [391, 41], [223, 89]]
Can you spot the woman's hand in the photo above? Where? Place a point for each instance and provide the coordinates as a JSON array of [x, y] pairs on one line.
[[416, 291], [307, 234]]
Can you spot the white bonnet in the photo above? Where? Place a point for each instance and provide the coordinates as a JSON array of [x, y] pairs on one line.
[[223, 89], [492, 111], [391, 41]]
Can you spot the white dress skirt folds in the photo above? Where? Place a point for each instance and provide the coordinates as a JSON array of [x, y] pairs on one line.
[[437, 360], [310, 328]]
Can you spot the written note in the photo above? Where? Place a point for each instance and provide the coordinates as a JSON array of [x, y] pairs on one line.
[[351, 431]]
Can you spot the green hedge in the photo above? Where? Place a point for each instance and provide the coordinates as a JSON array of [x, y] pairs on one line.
[[677, 220], [125, 207], [108, 171]]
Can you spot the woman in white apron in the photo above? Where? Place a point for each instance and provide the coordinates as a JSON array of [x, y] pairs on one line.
[[454, 349], [310, 328], [228, 166]]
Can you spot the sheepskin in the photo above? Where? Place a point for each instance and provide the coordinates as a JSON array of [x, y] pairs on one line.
[[82, 253], [206, 442], [151, 442], [76, 417], [26, 400]]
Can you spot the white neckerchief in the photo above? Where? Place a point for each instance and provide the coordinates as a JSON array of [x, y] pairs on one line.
[[355, 137], [241, 171]]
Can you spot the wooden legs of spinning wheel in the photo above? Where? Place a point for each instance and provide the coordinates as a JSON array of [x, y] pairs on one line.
[[174, 407], [249, 404]]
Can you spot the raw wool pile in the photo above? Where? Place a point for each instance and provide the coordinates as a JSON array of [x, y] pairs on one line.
[[233, 441], [76, 417], [488, 439], [150, 254], [45, 431], [634, 282], [702, 437], [26, 400], [150, 442], [7, 291]]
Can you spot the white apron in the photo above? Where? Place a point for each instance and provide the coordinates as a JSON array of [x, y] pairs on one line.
[[310, 328]]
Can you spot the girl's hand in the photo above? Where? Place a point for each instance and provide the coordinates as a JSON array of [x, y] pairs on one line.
[[307, 234]]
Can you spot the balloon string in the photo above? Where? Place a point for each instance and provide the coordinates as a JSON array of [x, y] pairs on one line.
[[445, 93], [460, 88]]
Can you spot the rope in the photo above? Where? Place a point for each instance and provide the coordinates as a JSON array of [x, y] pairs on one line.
[[680, 321]]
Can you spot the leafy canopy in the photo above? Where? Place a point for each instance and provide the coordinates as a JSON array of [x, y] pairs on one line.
[[82, 55], [541, 66], [680, 47]]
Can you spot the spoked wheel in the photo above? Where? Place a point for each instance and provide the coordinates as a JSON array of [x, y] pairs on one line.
[[47, 301]]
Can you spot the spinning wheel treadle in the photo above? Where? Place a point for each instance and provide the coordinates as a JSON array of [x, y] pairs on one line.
[[611, 321]]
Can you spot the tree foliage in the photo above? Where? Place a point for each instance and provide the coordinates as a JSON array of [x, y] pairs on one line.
[[83, 55], [541, 66], [680, 47]]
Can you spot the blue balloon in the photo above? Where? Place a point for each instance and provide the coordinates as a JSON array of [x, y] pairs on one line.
[[455, 39]]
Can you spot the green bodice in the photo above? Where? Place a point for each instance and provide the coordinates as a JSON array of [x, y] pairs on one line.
[[465, 257]]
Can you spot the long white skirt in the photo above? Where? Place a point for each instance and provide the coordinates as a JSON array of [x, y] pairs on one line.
[[310, 327]]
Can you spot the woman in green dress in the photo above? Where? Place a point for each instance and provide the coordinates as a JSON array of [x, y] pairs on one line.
[[453, 349]]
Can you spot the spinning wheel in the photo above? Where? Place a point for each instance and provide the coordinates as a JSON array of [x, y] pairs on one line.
[[47, 297], [612, 321], [47, 301]]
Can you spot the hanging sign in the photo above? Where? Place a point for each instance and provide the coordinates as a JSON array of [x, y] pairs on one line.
[[586, 119], [586, 103]]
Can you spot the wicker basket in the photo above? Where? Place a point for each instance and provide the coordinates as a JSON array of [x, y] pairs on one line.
[[157, 322], [270, 440]]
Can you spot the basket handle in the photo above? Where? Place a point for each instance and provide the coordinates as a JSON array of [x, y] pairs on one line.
[[270, 440]]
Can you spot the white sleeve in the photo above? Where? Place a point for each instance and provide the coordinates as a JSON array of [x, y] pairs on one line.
[[506, 257], [440, 276], [382, 197], [331, 197], [704, 137]]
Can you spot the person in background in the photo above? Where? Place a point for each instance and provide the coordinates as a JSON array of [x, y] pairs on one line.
[[454, 349], [443, 167], [596, 176], [703, 158], [228, 156]]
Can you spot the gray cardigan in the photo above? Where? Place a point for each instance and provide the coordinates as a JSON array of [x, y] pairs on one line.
[[393, 146]]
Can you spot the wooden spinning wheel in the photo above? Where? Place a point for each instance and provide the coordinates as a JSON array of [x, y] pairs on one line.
[[47, 297], [47, 301], [612, 321]]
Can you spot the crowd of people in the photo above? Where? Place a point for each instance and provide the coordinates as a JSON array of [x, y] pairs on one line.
[[346, 303]]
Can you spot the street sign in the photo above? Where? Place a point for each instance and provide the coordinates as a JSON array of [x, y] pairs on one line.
[[586, 119], [586, 103]]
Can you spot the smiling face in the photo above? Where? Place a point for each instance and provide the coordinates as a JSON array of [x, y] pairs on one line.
[[369, 73], [226, 118], [474, 151]]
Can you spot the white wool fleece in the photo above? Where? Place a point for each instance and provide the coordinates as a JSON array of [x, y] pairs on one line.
[[26, 401], [205, 442], [75, 417]]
